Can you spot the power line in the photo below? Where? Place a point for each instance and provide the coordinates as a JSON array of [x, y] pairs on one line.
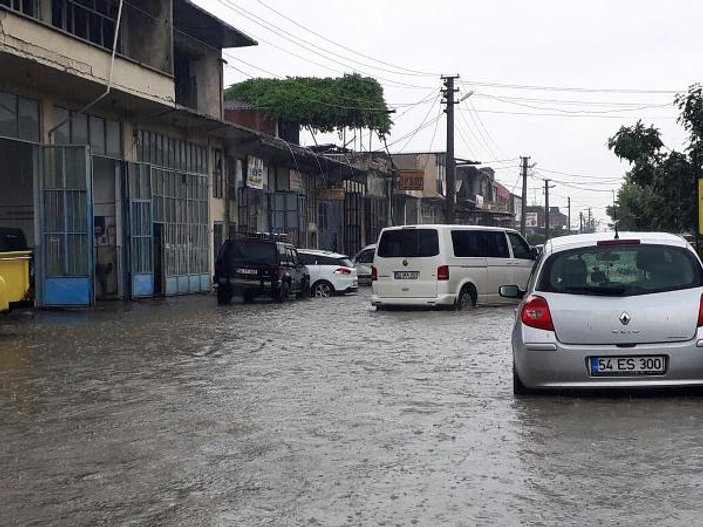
[[571, 88], [401, 69], [308, 46], [569, 116], [575, 112], [579, 102], [427, 116], [482, 124]]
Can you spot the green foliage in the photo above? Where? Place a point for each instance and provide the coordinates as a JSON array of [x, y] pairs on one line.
[[323, 104], [660, 188]]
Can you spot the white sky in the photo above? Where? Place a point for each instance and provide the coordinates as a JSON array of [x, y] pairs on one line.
[[600, 44]]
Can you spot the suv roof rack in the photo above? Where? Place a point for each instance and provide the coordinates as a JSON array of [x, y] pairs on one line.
[[260, 236]]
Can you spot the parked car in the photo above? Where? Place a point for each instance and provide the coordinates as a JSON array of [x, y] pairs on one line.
[[610, 312], [363, 261], [447, 265], [330, 273], [260, 265]]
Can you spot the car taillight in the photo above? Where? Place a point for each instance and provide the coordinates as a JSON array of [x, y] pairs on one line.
[[443, 272], [342, 270], [277, 272], [700, 313], [374, 273], [535, 313]]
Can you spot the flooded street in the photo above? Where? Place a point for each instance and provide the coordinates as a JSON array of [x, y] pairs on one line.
[[322, 412]]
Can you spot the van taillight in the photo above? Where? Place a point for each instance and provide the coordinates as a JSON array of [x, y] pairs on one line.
[[443, 272], [374, 273], [700, 313], [535, 313]]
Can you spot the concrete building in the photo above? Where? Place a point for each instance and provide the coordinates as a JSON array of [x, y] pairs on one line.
[[114, 146], [426, 204]]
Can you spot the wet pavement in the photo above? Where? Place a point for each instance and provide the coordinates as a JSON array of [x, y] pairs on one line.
[[322, 412]]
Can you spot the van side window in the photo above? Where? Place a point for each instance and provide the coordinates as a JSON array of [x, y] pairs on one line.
[[409, 243], [520, 248], [497, 245], [468, 244]]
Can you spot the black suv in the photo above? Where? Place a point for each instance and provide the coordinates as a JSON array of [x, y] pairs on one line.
[[255, 266]]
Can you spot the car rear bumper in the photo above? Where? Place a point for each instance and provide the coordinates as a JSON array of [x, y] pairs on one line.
[[439, 300], [566, 367], [239, 285]]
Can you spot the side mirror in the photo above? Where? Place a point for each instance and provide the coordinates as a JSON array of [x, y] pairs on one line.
[[511, 291]]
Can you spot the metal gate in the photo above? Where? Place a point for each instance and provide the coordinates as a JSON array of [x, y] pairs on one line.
[[141, 234], [65, 269]]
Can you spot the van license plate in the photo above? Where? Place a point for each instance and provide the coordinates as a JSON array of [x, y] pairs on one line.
[[407, 275], [632, 365], [247, 271]]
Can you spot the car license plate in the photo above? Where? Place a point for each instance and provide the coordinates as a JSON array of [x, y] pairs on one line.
[[632, 365], [247, 271], [407, 275]]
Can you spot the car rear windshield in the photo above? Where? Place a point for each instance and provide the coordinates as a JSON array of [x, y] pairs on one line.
[[409, 243], [252, 252], [624, 270]]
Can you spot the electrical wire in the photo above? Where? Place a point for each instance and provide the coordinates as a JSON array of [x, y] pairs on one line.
[[569, 116], [402, 70], [425, 120], [575, 112], [306, 45], [571, 89]]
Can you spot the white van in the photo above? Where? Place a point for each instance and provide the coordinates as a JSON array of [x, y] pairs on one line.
[[459, 265]]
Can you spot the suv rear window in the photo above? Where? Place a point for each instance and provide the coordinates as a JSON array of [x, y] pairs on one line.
[[620, 270], [409, 243], [252, 252]]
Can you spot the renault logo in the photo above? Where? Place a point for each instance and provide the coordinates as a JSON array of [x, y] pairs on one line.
[[405, 263], [625, 318]]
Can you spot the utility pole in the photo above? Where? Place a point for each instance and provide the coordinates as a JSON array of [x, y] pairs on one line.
[[568, 200], [581, 222], [448, 93], [525, 161], [546, 208], [590, 221]]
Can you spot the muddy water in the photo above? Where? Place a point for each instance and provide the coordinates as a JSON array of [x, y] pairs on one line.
[[318, 413]]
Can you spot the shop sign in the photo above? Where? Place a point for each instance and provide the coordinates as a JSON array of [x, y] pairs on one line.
[[255, 172], [332, 194], [412, 180], [531, 219], [295, 180]]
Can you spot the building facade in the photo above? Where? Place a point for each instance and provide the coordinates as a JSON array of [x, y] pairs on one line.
[[114, 163]]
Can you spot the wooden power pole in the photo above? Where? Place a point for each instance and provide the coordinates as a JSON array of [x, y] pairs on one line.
[[450, 203]]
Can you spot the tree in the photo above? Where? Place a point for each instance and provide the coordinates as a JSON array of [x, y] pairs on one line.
[[659, 192], [324, 105]]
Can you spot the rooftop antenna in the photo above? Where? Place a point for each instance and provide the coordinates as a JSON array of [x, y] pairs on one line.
[[615, 217]]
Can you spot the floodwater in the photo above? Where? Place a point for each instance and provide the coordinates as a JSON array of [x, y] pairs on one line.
[[322, 412]]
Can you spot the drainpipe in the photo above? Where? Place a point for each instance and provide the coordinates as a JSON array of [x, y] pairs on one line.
[[109, 79]]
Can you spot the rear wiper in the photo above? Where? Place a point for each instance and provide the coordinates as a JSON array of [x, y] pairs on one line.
[[595, 290]]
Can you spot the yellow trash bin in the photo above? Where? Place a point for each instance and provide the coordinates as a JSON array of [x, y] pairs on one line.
[[14, 278]]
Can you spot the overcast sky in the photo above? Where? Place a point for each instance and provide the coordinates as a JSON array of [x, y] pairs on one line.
[[600, 45]]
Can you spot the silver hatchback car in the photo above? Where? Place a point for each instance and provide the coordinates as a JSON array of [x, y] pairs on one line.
[[602, 311]]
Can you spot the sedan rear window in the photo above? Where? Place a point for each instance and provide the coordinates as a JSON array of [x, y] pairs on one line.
[[620, 270], [409, 243]]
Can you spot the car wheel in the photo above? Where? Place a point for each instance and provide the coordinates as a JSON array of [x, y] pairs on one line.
[[283, 294], [249, 297], [518, 387], [467, 298], [224, 295], [322, 290]]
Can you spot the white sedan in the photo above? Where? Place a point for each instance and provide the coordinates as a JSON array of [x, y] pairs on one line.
[[330, 273]]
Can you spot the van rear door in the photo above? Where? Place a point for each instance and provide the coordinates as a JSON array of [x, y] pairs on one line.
[[406, 262]]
